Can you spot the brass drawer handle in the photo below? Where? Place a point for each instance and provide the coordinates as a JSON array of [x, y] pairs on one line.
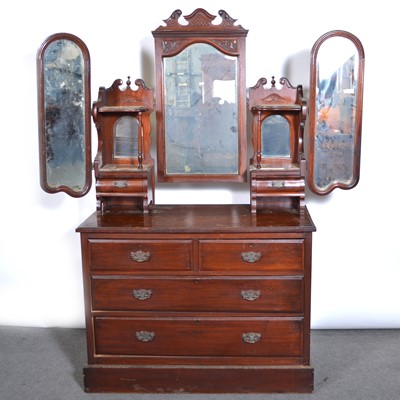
[[140, 256], [251, 337], [121, 184], [142, 294], [250, 295], [145, 336], [278, 184], [251, 256]]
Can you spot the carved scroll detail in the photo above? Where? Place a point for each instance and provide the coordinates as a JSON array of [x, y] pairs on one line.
[[199, 20]]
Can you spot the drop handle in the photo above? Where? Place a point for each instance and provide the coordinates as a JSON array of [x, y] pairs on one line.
[[250, 295], [140, 256], [251, 337], [145, 336], [250, 256], [142, 294]]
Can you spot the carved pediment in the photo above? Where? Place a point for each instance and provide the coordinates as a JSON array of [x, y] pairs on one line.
[[117, 99], [200, 21]]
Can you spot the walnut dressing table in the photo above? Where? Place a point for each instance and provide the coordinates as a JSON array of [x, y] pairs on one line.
[[198, 299]]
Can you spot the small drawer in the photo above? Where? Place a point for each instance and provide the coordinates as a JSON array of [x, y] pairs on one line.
[[219, 336], [258, 255], [121, 186], [278, 186], [259, 294], [140, 255]]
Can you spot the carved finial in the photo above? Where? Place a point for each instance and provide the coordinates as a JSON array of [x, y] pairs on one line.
[[128, 82], [273, 82], [225, 17], [260, 82], [140, 83], [175, 15]]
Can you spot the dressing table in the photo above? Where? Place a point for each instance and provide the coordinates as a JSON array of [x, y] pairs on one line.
[[199, 298]]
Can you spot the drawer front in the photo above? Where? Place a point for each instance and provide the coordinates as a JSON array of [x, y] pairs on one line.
[[136, 255], [223, 336], [120, 186], [198, 294], [259, 255], [279, 186]]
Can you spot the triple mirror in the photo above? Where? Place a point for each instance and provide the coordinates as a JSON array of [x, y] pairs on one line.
[[201, 108]]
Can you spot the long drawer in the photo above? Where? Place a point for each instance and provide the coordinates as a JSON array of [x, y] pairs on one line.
[[255, 255], [219, 336], [266, 294], [140, 255]]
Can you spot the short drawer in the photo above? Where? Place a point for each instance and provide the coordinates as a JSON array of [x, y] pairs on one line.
[[219, 336], [120, 186], [140, 255], [262, 294], [258, 255]]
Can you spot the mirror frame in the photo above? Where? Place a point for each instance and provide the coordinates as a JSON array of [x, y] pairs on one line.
[[229, 39], [312, 115], [42, 116]]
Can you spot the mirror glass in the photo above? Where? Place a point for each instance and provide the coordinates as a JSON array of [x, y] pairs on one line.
[[126, 137], [63, 119], [201, 112], [275, 133], [336, 114]]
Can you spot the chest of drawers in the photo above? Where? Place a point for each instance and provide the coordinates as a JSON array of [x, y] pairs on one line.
[[198, 299]]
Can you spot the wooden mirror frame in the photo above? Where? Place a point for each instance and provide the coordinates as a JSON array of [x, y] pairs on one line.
[[229, 39], [43, 113], [355, 135]]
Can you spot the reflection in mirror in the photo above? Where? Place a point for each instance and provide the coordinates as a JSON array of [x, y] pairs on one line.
[[201, 125], [126, 137], [64, 115], [336, 89], [275, 133]]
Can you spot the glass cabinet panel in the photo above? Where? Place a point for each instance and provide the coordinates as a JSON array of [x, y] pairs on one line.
[[126, 137], [275, 132]]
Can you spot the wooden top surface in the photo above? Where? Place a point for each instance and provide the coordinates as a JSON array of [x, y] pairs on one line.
[[199, 219]]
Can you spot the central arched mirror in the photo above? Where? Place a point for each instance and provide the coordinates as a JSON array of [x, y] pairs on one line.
[[200, 99]]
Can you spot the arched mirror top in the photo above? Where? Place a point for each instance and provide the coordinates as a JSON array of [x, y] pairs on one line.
[[336, 95], [63, 69]]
